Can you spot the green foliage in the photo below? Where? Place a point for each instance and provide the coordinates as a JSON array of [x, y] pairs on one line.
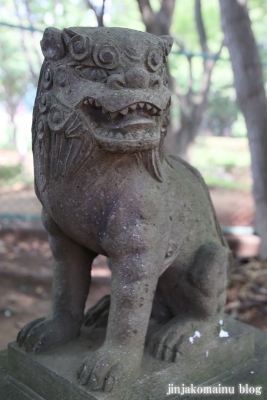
[[184, 27], [239, 128], [10, 174], [222, 152], [125, 14], [221, 114], [223, 162], [14, 72]]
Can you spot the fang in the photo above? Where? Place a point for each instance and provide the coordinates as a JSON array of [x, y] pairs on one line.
[[118, 136], [113, 114], [124, 111]]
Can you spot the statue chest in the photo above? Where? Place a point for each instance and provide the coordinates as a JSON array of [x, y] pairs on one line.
[[90, 213]]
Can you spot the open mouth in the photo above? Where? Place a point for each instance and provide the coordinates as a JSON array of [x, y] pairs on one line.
[[133, 122], [148, 108]]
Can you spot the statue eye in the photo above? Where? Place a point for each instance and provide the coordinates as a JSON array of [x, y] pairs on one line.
[[99, 75], [91, 73], [155, 59]]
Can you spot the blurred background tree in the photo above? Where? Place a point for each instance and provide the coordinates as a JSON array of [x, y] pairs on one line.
[[251, 95], [201, 98], [200, 72]]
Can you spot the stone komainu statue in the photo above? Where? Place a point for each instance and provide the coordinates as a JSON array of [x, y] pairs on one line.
[[106, 187]]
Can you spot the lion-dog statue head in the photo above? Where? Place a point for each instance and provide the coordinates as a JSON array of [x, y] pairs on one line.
[[100, 87]]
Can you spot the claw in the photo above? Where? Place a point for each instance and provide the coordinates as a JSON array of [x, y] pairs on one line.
[[83, 375], [109, 384], [93, 382]]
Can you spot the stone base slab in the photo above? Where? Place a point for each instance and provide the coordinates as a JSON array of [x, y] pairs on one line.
[[52, 376]]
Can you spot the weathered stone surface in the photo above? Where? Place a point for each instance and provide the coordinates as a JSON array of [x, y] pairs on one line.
[[106, 186], [52, 375]]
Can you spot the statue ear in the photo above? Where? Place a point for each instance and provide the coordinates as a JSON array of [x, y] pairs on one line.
[[168, 42], [52, 44], [68, 34]]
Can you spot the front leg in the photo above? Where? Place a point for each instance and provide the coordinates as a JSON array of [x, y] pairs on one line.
[[134, 279], [72, 264]]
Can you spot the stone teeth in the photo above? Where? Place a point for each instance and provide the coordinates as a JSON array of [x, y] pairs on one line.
[[118, 136], [128, 136], [154, 111], [92, 102], [160, 112], [113, 114], [141, 105], [133, 107], [124, 111], [136, 135], [148, 106], [111, 134], [86, 102], [97, 104], [146, 135]]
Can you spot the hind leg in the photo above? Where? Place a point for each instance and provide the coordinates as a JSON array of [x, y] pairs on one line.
[[98, 314], [194, 297]]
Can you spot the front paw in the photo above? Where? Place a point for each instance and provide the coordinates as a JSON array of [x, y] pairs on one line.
[[47, 333], [178, 338], [108, 367]]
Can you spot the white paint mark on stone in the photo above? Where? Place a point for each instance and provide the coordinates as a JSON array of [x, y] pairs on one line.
[[197, 334], [223, 333], [207, 353]]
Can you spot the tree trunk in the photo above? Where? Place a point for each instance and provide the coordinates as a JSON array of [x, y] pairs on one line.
[[192, 105], [98, 10], [157, 23], [252, 100]]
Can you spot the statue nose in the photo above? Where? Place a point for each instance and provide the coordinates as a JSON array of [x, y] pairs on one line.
[[137, 78]]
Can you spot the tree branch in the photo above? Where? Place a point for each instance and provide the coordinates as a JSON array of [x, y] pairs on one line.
[[157, 23], [148, 15], [200, 27], [99, 11], [33, 34], [24, 47], [165, 16], [208, 63]]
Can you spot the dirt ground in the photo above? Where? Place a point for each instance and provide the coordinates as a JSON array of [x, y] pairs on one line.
[[26, 281], [26, 271]]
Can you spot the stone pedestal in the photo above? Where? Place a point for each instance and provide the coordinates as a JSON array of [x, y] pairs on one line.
[[53, 375]]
